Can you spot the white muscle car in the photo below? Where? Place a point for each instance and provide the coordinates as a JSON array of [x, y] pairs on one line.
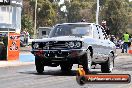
[[81, 43]]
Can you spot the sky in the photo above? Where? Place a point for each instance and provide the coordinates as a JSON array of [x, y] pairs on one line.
[[64, 7], [61, 2]]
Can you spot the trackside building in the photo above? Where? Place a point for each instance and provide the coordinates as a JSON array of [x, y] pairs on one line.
[[10, 27], [10, 15]]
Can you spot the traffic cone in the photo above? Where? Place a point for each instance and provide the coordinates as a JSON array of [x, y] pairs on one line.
[[130, 49]]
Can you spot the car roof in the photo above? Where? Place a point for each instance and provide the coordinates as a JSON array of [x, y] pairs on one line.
[[77, 23], [45, 27]]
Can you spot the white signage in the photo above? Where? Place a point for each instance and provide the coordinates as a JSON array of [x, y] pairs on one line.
[[1, 0], [5, 16]]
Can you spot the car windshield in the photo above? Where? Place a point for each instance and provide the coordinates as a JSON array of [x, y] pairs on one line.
[[71, 30]]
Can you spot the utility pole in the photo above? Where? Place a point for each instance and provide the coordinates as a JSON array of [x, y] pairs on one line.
[[97, 13], [35, 32]]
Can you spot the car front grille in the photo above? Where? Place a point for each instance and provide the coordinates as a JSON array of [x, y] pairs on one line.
[[53, 45], [56, 54]]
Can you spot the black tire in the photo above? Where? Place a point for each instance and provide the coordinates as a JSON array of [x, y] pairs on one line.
[[39, 65], [66, 67], [107, 67], [87, 62], [81, 80]]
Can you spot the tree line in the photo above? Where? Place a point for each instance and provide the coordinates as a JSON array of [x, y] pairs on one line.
[[117, 13]]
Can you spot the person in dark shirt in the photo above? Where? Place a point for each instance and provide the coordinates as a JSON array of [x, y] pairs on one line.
[[2, 50], [83, 20], [112, 38]]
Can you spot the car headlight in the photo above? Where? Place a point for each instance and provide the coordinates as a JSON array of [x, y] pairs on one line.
[[71, 44], [36, 45], [77, 44]]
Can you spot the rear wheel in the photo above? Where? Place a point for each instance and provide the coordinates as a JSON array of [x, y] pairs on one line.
[[108, 66], [39, 65]]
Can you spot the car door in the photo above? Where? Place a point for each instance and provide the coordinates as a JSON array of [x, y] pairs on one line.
[[105, 42], [101, 43], [96, 46], [102, 40]]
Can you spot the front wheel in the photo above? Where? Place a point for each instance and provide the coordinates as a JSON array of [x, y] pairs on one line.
[[39, 65], [87, 62]]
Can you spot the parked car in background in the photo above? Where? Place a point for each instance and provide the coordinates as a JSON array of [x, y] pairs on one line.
[[43, 32], [75, 43], [22, 40]]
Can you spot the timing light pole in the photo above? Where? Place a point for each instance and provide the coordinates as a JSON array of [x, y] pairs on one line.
[[97, 13], [35, 19]]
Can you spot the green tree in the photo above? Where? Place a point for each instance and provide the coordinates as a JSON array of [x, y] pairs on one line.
[[78, 9], [73, 12], [102, 2], [87, 11], [117, 16], [46, 15], [46, 12], [130, 18], [27, 24]]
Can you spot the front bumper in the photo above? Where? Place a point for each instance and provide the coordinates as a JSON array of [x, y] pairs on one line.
[[72, 53]]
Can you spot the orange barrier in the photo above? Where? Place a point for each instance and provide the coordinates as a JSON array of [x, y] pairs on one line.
[[13, 46], [130, 49]]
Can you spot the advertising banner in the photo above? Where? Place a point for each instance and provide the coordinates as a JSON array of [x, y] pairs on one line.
[[13, 46]]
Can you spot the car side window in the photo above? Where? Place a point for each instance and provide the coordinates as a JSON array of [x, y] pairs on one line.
[[95, 32]]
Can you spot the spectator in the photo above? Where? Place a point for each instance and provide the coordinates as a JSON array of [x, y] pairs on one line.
[[126, 38], [1, 48], [107, 30], [119, 44], [27, 36], [112, 38], [83, 20]]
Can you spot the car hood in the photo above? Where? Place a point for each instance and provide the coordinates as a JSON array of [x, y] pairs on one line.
[[60, 38], [85, 39]]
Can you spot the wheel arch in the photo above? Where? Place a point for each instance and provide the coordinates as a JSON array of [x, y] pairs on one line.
[[91, 50], [112, 52]]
